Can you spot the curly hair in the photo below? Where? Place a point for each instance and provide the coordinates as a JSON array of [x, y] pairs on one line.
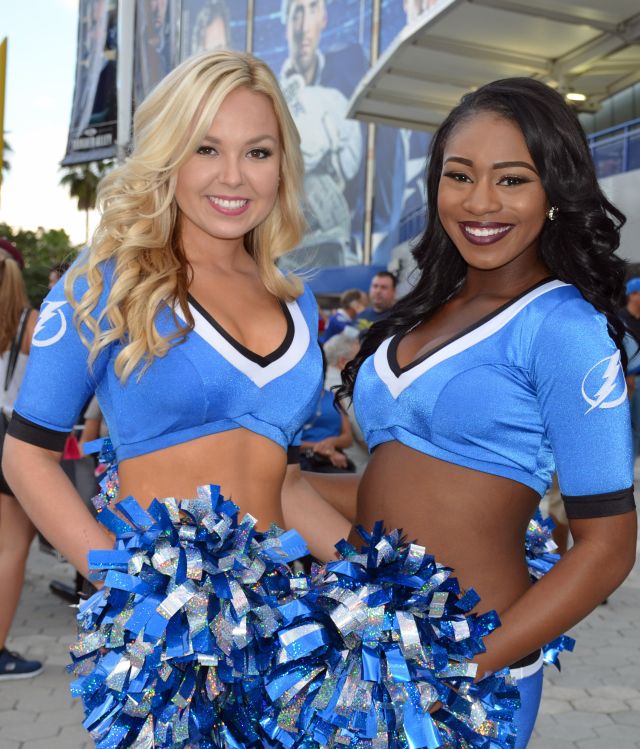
[[139, 231], [577, 248]]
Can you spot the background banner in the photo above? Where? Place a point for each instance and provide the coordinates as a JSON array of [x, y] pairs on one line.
[[93, 129], [209, 25], [320, 50]]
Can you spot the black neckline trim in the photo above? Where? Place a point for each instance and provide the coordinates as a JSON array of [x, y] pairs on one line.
[[262, 361], [392, 351]]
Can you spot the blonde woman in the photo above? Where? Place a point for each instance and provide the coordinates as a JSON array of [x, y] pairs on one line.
[[205, 363], [16, 530]]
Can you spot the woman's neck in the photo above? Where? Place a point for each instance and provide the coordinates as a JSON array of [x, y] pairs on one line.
[[504, 282]]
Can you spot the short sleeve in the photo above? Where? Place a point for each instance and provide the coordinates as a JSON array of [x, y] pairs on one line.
[[582, 395], [58, 380]]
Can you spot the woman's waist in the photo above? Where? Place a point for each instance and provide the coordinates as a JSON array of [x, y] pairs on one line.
[[493, 456], [468, 520], [248, 468], [399, 477]]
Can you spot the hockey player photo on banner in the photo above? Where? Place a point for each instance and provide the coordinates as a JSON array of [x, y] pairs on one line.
[[320, 51]]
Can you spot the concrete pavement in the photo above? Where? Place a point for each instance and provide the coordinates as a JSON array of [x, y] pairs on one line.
[[593, 704]]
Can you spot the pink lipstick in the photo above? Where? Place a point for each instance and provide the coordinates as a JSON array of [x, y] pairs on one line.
[[228, 205]]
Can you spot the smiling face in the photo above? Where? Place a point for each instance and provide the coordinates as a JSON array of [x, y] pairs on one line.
[[230, 184], [491, 201]]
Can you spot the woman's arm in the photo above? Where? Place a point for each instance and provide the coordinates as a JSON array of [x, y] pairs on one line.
[[603, 554], [51, 501], [317, 518]]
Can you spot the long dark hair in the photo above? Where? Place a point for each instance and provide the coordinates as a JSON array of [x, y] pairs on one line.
[[578, 247]]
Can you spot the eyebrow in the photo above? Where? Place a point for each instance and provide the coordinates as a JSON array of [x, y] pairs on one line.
[[497, 165], [257, 139]]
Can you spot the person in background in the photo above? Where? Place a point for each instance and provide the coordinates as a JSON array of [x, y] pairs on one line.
[[55, 274], [339, 351], [327, 433], [351, 305], [17, 322], [382, 297]]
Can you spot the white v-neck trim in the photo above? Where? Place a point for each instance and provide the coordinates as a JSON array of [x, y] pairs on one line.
[[259, 375], [398, 383]]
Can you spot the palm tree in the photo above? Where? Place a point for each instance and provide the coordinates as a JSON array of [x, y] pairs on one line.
[[6, 165], [82, 181]]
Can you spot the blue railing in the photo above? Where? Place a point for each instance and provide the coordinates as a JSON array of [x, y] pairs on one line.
[[616, 149]]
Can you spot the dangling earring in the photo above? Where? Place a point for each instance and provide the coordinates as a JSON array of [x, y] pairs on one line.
[[552, 213]]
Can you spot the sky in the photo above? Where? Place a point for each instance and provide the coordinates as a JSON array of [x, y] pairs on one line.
[[39, 92]]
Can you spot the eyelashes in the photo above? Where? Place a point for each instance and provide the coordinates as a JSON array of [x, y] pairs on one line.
[[508, 180], [254, 153], [261, 153]]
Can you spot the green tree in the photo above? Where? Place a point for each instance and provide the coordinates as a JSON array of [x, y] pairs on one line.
[[82, 182], [41, 250]]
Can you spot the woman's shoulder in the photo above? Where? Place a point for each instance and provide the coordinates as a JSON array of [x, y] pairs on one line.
[[306, 299], [563, 319]]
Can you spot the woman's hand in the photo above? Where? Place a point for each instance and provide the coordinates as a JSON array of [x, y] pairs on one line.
[[602, 556], [325, 447], [313, 516]]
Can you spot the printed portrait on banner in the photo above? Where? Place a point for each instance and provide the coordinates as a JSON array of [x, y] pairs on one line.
[[320, 51], [156, 48], [209, 25], [94, 115]]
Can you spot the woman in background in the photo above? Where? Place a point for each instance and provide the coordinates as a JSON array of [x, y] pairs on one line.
[[17, 322]]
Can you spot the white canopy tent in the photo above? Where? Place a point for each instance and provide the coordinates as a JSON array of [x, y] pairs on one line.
[[590, 48]]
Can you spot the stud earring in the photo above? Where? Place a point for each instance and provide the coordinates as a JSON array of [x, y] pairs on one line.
[[552, 213]]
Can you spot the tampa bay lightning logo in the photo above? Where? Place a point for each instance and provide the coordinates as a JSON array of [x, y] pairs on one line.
[[51, 325], [604, 385]]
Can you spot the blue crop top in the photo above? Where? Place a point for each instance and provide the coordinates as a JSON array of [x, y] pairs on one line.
[[206, 383], [536, 386]]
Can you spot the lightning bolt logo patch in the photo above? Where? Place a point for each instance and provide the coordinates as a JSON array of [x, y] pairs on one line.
[[51, 325], [604, 385]]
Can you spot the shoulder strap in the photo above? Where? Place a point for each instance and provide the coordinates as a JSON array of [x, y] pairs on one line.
[[15, 348]]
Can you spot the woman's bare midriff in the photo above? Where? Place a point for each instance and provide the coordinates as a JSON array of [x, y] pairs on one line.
[[249, 469], [468, 520]]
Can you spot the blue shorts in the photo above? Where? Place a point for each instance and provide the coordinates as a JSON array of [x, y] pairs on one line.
[[529, 681]]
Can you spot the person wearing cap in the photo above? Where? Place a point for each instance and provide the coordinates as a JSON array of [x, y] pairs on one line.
[[11, 250], [630, 316]]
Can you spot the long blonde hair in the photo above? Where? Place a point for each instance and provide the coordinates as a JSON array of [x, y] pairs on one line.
[[13, 299], [138, 234]]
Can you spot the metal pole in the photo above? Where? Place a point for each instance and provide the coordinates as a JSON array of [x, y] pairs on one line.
[[126, 41], [371, 145], [251, 9]]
